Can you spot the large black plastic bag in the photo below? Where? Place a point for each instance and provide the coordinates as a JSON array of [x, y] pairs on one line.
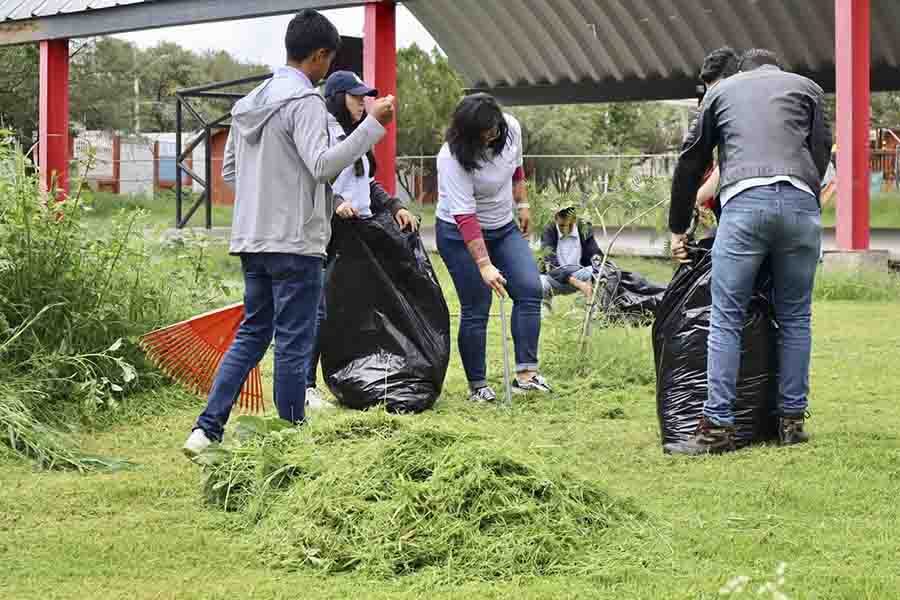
[[386, 337], [627, 296], [680, 333]]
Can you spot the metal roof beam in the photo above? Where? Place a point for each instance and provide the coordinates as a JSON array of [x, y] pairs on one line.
[[151, 14]]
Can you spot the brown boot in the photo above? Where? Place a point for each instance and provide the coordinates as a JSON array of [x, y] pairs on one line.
[[708, 439], [790, 430]]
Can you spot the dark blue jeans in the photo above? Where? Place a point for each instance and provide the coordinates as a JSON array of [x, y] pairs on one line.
[[281, 293], [783, 223], [510, 253], [313, 369]]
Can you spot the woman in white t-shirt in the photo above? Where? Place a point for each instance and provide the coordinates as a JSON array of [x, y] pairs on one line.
[[357, 194], [480, 183]]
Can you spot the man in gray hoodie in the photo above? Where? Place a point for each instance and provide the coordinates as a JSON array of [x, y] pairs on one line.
[[280, 158]]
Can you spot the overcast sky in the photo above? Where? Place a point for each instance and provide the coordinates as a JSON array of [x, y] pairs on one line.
[[262, 40]]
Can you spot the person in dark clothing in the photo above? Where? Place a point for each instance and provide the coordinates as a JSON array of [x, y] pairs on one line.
[[774, 143], [568, 252], [717, 66], [357, 194]]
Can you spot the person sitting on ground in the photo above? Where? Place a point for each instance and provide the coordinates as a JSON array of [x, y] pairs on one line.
[[357, 194], [567, 263]]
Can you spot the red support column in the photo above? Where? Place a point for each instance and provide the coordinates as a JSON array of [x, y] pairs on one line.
[[380, 70], [54, 115], [852, 60]]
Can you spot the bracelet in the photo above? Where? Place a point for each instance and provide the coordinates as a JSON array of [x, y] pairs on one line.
[[523, 205]]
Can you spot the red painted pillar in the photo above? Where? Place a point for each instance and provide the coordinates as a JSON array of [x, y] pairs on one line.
[[380, 70], [852, 60], [54, 115]]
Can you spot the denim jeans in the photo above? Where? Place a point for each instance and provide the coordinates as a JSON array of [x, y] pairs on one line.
[[552, 287], [313, 369], [511, 254], [281, 292], [783, 223]]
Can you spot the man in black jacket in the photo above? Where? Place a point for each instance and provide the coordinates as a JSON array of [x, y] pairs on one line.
[[774, 142], [568, 250]]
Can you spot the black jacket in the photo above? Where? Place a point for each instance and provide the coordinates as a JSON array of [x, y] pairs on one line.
[[550, 239], [765, 122]]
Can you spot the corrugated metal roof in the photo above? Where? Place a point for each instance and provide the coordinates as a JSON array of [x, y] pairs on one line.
[[540, 51], [548, 51], [16, 10]]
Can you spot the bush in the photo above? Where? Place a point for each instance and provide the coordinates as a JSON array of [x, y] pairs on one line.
[[72, 302]]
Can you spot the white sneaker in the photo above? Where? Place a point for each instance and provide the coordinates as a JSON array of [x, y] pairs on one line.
[[315, 400], [535, 384], [196, 444]]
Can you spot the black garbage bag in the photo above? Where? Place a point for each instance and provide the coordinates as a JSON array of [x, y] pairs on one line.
[[627, 296], [680, 333], [386, 337]]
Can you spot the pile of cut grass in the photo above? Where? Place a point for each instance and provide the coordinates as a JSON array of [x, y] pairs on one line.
[[388, 496]]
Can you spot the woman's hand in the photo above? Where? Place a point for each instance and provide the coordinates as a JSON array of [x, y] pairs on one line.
[[406, 219], [524, 219], [346, 211], [493, 279]]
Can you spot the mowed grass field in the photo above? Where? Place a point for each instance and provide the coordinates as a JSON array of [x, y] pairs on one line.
[[828, 510]]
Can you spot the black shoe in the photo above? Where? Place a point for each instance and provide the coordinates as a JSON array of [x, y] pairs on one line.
[[790, 430], [535, 384], [708, 439]]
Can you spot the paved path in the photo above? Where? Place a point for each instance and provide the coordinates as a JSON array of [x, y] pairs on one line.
[[641, 241]]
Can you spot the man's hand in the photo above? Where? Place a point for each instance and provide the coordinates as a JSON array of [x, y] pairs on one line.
[[679, 248], [346, 211], [525, 219], [493, 279], [406, 219], [383, 110]]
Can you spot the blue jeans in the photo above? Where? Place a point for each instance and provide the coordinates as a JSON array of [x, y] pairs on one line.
[[510, 253], [552, 287], [321, 313], [281, 292], [783, 223]]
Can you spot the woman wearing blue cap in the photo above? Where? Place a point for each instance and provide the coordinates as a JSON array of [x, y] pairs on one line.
[[357, 194]]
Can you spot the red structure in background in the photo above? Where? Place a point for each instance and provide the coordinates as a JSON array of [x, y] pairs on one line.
[[221, 191], [380, 70], [852, 61], [53, 149]]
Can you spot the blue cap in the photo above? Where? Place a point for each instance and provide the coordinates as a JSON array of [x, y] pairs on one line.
[[348, 82]]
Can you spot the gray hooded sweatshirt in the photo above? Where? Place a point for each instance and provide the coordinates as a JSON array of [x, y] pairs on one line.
[[280, 158]]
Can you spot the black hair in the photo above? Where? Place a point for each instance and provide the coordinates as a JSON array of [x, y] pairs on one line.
[[337, 106], [473, 115], [567, 212], [757, 57], [719, 64], [307, 32]]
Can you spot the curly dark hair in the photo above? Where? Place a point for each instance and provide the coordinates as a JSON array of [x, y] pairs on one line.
[[309, 31], [474, 115], [337, 106], [719, 64]]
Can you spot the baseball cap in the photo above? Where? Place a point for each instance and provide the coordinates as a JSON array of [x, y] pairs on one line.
[[348, 82]]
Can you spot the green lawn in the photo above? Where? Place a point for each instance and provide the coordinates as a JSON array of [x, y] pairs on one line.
[[884, 211], [828, 510]]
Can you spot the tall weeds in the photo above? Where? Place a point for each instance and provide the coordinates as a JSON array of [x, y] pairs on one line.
[[71, 301]]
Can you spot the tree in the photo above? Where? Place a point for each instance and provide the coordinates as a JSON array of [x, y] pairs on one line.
[[428, 90], [19, 90]]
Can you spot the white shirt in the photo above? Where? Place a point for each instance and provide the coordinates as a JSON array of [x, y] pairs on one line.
[[355, 188], [730, 191], [487, 191], [568, 248]]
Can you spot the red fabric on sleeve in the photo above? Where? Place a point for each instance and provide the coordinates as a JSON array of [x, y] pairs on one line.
[[469, 227], [519, 175]]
